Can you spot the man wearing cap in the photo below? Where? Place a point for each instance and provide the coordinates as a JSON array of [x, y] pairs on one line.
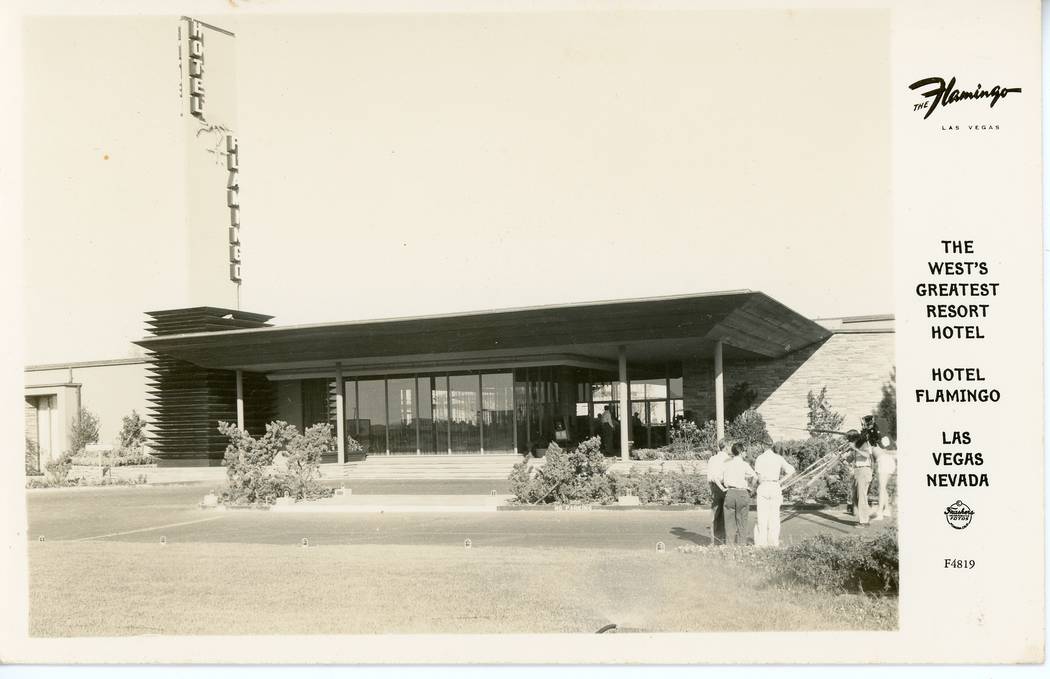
[[718, 493], [770, 467]]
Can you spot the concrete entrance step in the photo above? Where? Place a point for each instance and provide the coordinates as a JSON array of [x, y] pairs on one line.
[[424, 467]]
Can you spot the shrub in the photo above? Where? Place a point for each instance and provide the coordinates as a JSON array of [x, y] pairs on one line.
[[664, 486], [132, 436], [578, 475], [689, 441], [820, 415], [280, 462], [43, 482], [32, 458], [117, 458], [83, 431], [886, 411], [749, 428], [803, 453], [833, 487], [58, 468], [840, 563], [648, 454]]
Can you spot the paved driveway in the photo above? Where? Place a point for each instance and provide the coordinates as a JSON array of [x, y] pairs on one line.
[[144, 514]]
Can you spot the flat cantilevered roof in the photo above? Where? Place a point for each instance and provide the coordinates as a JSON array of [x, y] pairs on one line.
[[750, 324]]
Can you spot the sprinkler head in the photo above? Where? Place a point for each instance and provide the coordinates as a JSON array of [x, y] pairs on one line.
[[306, 542], [660, 547], [467, 543]]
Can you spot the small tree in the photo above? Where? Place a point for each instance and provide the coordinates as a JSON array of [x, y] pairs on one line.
[[690, 441], [578, 475], [32, 457], [132, 432], [280, 462], [820, 415], [886, 410], [83, 431]]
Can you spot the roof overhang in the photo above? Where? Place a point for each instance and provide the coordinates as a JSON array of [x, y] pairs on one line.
[[750, 325]]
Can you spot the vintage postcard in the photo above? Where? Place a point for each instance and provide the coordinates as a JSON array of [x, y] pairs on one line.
[[524, 332]]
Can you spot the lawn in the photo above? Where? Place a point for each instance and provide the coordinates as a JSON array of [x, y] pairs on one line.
[[106, 588], [102, 571]]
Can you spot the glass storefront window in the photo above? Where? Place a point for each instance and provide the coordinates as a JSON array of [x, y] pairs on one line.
[[497, 403], [425, 417], [371, 396], [465, 431], [440, 407], [676, 387], [401, 415], [350, 408]]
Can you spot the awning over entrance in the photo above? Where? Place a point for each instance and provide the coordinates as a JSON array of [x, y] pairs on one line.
[[748, 324]]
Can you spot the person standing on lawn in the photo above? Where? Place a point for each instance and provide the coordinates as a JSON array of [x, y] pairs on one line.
[[886, 467], [770, 467], [715, 465], [861, 456], [736, 479]]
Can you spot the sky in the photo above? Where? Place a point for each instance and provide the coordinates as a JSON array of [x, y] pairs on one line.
[[406, 164]]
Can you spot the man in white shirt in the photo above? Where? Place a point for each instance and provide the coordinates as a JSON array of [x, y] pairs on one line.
[[718, 492], [736, 478], [770, 468]]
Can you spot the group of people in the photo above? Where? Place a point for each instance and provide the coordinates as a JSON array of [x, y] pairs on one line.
[[868, 446], [732, 480]]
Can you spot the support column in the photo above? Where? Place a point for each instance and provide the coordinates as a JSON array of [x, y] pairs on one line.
[[240, 399], [625, 415], [340, 414], [720, 400]]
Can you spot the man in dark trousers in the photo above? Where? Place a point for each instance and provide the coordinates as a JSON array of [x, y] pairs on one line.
[[718, 492], [737, 476]]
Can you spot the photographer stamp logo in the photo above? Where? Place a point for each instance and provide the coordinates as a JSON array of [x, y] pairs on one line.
[[958, 515]]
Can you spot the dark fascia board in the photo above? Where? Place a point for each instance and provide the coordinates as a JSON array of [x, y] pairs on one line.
[[147, 341], [801, 330]]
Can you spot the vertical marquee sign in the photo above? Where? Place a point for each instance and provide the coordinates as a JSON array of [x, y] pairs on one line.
[[208, 112], [195, 64], [233, 201]]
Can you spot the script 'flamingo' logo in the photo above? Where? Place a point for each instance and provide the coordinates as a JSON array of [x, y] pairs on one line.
[[943, 94]]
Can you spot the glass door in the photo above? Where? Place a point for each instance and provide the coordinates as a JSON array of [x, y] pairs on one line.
[[401, 415], [440, 406], [371, 407], [497, 412], [464, 424]]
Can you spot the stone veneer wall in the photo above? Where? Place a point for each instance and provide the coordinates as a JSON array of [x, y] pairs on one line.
[[853, 366]]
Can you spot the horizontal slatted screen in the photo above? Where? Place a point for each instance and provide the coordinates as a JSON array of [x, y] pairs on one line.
[[186, 401]]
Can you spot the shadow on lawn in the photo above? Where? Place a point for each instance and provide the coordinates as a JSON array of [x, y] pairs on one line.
[[828, 519], [690, 536]]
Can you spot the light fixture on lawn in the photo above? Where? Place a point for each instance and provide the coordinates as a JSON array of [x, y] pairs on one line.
[[163, 540], [660, 547], [467, 543], [306, 542], [40, 539]]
